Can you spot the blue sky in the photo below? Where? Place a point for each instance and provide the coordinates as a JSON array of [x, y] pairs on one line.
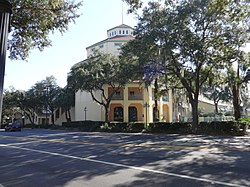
[[97, 17]]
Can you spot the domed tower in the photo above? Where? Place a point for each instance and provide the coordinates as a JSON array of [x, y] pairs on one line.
[[117, 36]]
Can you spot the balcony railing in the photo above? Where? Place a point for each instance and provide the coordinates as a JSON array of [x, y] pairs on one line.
[[117, 97], [135, 97]]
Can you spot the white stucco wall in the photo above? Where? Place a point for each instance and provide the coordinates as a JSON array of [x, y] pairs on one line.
[[106, 47], [82, 100], [63, 119]]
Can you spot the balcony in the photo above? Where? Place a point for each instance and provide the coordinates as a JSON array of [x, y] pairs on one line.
[[135, 97], [117, 97]]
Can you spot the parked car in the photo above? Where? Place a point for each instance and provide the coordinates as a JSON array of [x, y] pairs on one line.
[[14, 126]]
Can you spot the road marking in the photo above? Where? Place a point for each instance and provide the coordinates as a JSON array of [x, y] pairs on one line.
[[148, 145], [22, 143], [49, 135], [127, 166]]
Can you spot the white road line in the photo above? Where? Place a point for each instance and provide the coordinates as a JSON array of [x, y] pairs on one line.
[[21, 144], [48, 135], [127, 166]]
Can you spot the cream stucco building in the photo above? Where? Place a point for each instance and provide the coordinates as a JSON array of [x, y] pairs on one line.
[[132, 103]]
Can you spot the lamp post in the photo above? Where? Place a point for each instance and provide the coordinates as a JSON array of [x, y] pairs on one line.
[[5, 12], [85, 112], [46, 105]]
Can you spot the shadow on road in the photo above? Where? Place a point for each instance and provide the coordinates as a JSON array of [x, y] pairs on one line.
[[29, 168]]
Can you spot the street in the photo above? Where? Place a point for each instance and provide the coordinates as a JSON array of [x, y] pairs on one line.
[[61, 158]]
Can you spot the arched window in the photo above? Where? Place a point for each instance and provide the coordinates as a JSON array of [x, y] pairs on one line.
[[132, 112], [118, 114]]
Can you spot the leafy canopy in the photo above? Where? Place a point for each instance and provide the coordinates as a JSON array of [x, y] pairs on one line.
[[33, 20]]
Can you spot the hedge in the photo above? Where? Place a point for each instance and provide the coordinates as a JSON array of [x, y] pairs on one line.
[[87, 126], [208, 128]]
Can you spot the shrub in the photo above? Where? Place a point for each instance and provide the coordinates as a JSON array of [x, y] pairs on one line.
[[163, 127], [86, 126], [221, 128], [114, 127], [245, 119], [135, 127]]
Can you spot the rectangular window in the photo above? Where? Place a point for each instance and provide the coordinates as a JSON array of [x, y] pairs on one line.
[[117, 93], [131, 93], [120, 32], [126, 31], [118, 44]]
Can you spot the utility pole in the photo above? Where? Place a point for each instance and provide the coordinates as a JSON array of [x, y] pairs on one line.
[[5, 12]]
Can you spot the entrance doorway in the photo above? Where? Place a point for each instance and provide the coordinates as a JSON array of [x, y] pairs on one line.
[[132, 112]]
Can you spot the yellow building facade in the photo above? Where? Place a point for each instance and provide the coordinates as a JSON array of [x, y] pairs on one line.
[[135, 103]]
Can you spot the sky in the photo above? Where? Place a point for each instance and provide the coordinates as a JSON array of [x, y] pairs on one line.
[[97, 17]]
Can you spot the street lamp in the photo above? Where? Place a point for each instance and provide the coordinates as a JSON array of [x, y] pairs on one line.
[[85, 112], [5, 12], [46, 104]]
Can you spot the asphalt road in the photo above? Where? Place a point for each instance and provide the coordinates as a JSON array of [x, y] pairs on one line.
[[53, 158]]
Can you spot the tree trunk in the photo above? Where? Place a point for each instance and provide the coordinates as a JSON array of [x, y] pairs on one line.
[[195, 115], [216, 107], [155, 110], [52, 117], [69, 116], [106, 113], [236, 101]]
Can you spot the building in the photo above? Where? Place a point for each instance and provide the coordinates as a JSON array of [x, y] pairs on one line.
[[134, 102]]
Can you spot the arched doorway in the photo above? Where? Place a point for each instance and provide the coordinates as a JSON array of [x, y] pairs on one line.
[[132, 114], [118, 114]]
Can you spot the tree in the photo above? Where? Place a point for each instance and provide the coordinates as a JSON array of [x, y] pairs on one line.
[[93, 73], [47, 92], [65, 100], [33, 20], [193, 37], [238, 77], [10, 103], [31, 103], [216, 89]]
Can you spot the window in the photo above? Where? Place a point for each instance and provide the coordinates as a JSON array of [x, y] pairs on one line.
[[101, 46], [123, 32], [126, 31], [115, 32], [131, 93], [118, 44], [117, 93], [132, 114], [120, 32], [118, 114]]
